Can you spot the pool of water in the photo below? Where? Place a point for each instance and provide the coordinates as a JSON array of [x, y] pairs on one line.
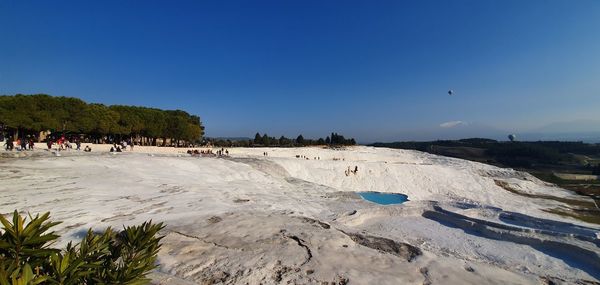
[[384, 198]]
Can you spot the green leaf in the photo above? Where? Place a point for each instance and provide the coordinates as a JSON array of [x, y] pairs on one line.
[[27, 275]]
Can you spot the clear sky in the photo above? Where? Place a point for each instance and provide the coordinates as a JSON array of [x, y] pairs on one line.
[[373, 70]]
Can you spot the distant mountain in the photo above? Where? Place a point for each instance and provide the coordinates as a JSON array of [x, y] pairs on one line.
[[578, 130], [576, 126], [447, 131]]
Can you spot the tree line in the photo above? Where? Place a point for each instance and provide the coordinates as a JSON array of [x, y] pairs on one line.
[[22, 115], [267, 141]]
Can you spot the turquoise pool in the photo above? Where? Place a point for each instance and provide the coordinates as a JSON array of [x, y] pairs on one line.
[[384, 198]]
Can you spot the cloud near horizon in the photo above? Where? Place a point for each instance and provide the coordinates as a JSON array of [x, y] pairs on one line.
[[452, 124]]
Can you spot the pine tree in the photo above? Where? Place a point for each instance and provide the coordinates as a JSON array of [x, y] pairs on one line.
[[300, 140], [258, 139]]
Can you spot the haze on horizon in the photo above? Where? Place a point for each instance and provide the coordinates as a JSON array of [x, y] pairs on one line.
[[373, 71]]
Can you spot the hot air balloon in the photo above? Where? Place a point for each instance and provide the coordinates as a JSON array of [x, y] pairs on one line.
[[450, 92], [512, 137]]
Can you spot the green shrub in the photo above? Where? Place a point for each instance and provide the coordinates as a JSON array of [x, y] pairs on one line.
[[26, 255]]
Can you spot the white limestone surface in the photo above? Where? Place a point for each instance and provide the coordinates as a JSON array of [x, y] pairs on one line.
[[255, 219]]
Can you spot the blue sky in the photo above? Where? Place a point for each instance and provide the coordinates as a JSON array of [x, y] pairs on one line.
[[374, 70]]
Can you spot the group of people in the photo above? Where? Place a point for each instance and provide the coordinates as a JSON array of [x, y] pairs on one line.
[[63, 144], [196, 152], [209, 152], [28, 143], [307, 158], [116, 148], [350, 171], [120, 147], [21, 144]]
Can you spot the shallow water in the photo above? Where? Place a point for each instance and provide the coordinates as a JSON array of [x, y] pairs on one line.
[[384, 198]]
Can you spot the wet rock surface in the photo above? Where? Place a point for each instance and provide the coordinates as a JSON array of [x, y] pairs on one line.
[[404, 250]]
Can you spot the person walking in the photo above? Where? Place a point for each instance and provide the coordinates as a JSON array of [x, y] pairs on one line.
[[9, 144]]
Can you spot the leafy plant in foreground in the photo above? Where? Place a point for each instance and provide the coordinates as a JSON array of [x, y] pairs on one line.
[[26, 255]]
